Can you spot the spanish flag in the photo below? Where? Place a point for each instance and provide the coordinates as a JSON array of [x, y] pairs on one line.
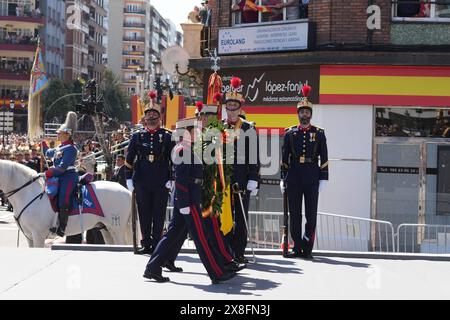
[[252, 5]]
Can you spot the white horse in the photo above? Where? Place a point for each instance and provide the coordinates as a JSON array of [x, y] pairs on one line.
[[36, 219]]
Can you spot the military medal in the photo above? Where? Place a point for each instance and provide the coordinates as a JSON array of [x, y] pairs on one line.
[[302, 159], [312, 137], [151, 157], [160, 137]]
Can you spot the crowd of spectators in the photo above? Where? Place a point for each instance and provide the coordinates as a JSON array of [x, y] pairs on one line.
[[25, 10], [13, 38], [16, 67], [271, 10]]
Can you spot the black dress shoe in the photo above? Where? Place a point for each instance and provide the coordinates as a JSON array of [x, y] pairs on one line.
[[60, 232], [241, 259], [154, 276], [145, 250], [306, 256], [234, 266], [293, 254], [170, 265], [226, 276]]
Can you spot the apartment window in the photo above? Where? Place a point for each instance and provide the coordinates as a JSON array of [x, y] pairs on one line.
[[421, 10], [268, 11]]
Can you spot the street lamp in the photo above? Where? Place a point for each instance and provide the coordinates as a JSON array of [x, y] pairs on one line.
[[158, 73], [175, 81], [193, 92], [157, 63], [4, 122], [139, 80]]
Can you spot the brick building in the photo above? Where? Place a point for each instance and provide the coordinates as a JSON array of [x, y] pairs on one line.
[[382, 96]]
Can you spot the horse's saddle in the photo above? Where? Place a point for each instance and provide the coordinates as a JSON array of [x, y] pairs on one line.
[[83, 195]]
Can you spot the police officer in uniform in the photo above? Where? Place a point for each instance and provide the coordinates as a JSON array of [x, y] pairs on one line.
[[149, 172], [301, 175], [187, 217], [245, 167], [64, 168]]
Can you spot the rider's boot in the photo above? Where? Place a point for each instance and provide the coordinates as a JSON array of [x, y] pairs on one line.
[[63, 217]]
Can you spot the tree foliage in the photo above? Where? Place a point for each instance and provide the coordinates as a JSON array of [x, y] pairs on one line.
[[116, 100]]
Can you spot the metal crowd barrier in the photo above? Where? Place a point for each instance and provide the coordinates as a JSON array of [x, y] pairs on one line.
[[423, 238], [334, 232]]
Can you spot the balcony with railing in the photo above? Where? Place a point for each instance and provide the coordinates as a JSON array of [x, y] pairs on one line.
[[134, 53], [134, 39], [136, 25], [14, 76], [132, 66], [30, 18], [135, 11], [129, 81], [18, 43], [91, 61]]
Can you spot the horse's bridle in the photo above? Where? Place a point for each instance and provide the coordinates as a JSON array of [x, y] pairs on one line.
[[13, 192]]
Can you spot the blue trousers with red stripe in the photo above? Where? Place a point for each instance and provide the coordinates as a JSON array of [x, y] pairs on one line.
[[216, 240], [178, 228]]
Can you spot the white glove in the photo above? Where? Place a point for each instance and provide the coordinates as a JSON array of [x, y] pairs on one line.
[[254, 192], [282, 186], [170, 184], [130, 185], [322, 185], [185, 210], [252, 185]]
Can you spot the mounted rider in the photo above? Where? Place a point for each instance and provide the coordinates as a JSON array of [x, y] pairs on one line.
[[63, 168]]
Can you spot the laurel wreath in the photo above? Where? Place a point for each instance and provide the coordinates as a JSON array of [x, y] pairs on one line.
[[213, 192]]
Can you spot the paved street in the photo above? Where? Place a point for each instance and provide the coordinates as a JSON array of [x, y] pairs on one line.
[[9, 231], [46, 274]]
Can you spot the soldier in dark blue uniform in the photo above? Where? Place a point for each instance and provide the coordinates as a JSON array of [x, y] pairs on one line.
[[204, 115], [302, 177], [245, 166], [64, 169], [219, 248], [150, 175], [187, 217]]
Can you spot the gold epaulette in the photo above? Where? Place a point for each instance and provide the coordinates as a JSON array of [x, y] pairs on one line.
[[320, 129], [290, 128]]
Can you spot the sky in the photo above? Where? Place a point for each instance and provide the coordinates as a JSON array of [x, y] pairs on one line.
[[175, 10]]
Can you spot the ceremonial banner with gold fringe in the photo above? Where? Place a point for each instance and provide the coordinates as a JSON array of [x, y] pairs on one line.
[[137, 109], [215, 89], [38, 82], [226, 217]]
